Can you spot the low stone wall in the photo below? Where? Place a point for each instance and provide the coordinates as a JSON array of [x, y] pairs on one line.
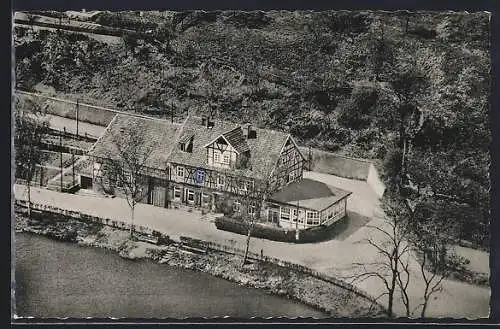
[[347, 167], [334, 164]]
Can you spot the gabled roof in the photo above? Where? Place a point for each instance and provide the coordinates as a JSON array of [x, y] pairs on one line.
[[311, 194], [186, 136], [158, 137], [164, 137], [237, 140]]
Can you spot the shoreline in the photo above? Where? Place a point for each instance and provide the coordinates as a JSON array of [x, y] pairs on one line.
[[273, 279]]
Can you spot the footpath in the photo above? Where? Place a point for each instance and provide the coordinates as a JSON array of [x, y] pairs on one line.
[[333, 257]]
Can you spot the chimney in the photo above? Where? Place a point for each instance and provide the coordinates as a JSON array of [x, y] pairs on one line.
[[251, 133], [245, 130]]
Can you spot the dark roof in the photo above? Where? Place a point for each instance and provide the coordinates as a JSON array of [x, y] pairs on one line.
[[237, 140], [164, 137], [309, 194], [186, 136]]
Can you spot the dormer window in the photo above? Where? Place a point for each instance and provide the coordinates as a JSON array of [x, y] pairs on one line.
[[216, 156], [186, 142], [226, 159]]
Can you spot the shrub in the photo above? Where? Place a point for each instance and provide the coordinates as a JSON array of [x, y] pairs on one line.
[[259, 231]]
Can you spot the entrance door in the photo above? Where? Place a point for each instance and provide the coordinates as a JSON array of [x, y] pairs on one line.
[[158, 196], [272, 216]]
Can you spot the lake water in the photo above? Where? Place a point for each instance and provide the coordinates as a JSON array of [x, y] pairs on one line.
[[56, 279]]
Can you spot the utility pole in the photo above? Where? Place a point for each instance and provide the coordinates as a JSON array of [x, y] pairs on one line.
[[61, 159], [41, 176], [73, 161], [171, 111], [310, 159], [77, 114], [297, 234]]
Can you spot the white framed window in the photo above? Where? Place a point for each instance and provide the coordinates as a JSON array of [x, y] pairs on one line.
[[251, 210], [180, 171], [220, 181], [97, 170], [312, 217], [291, 176], [295, 212], [190, 195], [226, 158], [177, 193], [236, 206], [216, 156], [285, 214], [316, 221]]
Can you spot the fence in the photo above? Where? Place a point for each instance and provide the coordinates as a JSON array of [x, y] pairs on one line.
[[209, 245], [83, 136], [51, 211]]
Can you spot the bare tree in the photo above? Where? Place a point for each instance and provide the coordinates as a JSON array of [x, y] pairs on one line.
[[30, 126], [253, 201], [127, 161], [432, 234], [393, 267]]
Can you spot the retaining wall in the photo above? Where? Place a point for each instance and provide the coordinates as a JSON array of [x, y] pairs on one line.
[[334, 164]]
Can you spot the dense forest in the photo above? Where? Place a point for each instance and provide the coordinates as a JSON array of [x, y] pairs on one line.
[[410, 90]]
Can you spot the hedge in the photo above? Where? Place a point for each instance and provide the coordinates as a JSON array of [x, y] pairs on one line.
[[259, 230], [313, 234]]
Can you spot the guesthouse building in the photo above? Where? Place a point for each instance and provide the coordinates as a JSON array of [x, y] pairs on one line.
[[203, 162]]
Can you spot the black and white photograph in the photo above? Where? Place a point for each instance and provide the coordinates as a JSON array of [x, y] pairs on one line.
[[247, 164]]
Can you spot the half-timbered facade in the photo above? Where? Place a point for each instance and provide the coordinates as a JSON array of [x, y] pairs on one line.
[[200, 162]]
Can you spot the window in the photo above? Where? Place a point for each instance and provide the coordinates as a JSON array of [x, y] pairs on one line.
[[312, 218], [206, 199], [190, 196], [220, 181], [180, 172], [291, 176], [226, 158], [285, 214], [251, 210], [177, 193], [216, 156], [97, 169], [200, 176], [236, 206]]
